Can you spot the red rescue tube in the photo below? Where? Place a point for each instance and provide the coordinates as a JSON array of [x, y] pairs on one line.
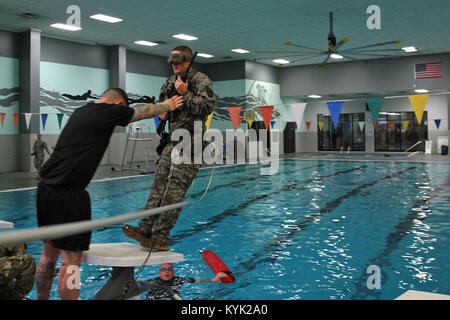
[[217, 265]]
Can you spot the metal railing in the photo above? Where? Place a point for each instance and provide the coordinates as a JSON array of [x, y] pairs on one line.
[[418, 142], [67, 229]]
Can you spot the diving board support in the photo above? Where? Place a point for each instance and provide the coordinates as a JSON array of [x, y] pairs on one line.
[[123, 257]]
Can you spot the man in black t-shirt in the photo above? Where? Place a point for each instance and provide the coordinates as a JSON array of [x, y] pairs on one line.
[[61, 195], [167, 284]]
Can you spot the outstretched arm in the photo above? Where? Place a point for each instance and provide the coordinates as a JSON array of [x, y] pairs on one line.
[[153, 110], [215, 279]]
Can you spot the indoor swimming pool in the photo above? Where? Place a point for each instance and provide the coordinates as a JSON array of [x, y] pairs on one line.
[[310, 231]]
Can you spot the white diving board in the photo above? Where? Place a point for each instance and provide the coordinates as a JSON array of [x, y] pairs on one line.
[[422, 295], [123, 257], [126, 254], [6, 224]]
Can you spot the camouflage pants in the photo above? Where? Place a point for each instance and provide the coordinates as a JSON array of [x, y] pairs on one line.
[[169, 186], [38, 161], [16, 276]]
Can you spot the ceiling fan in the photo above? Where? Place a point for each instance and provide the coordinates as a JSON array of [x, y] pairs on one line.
[[334, 50]]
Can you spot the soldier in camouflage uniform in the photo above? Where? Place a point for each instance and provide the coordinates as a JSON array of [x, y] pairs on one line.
[[16, 272], [172, 181], [38, 152]]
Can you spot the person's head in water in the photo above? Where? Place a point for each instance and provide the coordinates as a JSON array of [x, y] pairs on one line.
[[166, 272], [114, 96]]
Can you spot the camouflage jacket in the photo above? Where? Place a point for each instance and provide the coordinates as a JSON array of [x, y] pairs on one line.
[[199, 101]]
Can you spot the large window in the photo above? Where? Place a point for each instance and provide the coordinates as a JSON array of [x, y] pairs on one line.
[[397, 131], [349, 134]]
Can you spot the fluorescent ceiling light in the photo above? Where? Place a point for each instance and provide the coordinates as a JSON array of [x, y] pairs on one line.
[[65, 27], [205, 55], [314, 96], [410, 49], [184, 37], [336, 56], [146, 43], [105, 18], [240, 50], [421, 90], [281, 61]]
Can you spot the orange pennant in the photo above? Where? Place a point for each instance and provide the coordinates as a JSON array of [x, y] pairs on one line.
[[266, 113], [390, 123], [16, 119], [235, 113], [308, 124], [2, 117]]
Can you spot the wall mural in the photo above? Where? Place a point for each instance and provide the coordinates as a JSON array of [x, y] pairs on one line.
[[62, 95]]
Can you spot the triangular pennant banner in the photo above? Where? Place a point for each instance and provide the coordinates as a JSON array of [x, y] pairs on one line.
[[335, 110], [347, 125], [44, 119], [266, 113], [308, 124], [374, 105], [27, 119], [320, 123], [361, 125], [298, 109], [235, 113], [437, 122], [405, 124], [272, 123], [2, 117], [156, 121], [418, 103], [375, 125], [208, 121], [249, 123], [60, 117], [390, 123], [16, 119]]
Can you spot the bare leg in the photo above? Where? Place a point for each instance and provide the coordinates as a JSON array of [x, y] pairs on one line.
[[69, 275], [45, 270]]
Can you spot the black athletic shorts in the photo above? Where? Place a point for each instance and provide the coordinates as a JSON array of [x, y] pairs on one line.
[[62, 204]]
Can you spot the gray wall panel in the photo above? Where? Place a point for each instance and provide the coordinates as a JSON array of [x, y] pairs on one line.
[[74, 53]]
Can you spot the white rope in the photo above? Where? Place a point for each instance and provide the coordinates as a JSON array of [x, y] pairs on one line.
[[67, 229]]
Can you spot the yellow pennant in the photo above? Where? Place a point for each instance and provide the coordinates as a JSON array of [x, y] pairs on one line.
[[208, 121], [405, 124], [418, 103], [320, 125], [249, 123]]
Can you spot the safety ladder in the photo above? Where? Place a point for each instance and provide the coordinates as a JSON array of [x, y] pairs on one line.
[[134, 135]]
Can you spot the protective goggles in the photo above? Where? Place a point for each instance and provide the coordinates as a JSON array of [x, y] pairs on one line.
[[177, 58], [166, 269]]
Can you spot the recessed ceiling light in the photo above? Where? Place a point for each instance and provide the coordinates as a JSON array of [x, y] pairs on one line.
[[146, 43], [240, 50], [281, 61], [421, 90], [184, 37], [410, 49], [336, 56], [314, 96], [205, 55], [65, 27], [105, 18]]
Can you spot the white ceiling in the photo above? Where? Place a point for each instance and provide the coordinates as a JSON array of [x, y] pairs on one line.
[[222, 25]]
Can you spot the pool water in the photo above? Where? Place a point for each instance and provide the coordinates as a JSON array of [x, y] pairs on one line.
[[310, 231]]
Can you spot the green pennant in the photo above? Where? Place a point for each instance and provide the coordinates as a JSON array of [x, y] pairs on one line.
[[374, 105], [60, 117]]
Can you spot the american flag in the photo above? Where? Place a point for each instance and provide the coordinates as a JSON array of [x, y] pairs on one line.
[[428, 70]]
